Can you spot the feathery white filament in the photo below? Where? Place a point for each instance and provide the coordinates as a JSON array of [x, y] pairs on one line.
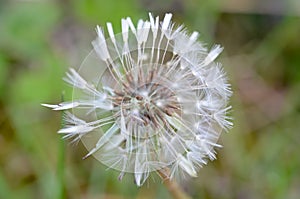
[[100, 45], [111, 32], [166, 22]]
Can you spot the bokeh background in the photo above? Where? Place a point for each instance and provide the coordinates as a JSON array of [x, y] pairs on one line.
[[40, 39]]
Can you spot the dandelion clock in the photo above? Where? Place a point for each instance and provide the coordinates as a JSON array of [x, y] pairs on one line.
[[151, 98]]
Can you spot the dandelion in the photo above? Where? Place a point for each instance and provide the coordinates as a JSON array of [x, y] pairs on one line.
[[150, 98]]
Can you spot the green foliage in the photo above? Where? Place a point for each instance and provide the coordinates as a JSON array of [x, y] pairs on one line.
[[101, 11]]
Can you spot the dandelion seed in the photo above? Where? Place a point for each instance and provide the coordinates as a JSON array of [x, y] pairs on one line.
[[150, 98]]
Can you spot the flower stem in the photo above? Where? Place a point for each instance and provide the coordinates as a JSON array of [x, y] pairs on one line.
[[172, 186]]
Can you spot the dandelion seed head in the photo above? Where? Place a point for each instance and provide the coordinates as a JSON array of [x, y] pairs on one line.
[[149, 98]]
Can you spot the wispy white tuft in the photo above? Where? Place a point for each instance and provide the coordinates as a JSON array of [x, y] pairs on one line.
[[111, 32], [142, 31], [74, 79], [213, 54], [100, 45], [131, 25], [194, 37], [62, 106], [187, 166], [125, 28], [166, 22]]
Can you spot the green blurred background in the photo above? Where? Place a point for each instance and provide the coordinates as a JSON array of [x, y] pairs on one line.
[[40, 39]]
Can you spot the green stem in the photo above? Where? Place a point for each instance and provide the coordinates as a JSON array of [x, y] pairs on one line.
[[172, 186]]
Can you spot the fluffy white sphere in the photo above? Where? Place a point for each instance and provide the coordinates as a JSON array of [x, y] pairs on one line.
[[149, 98]]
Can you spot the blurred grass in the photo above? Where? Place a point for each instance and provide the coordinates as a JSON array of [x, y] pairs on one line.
[[39, 40]]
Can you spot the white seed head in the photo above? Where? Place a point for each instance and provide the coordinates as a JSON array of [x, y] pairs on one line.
[[156, 99]]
